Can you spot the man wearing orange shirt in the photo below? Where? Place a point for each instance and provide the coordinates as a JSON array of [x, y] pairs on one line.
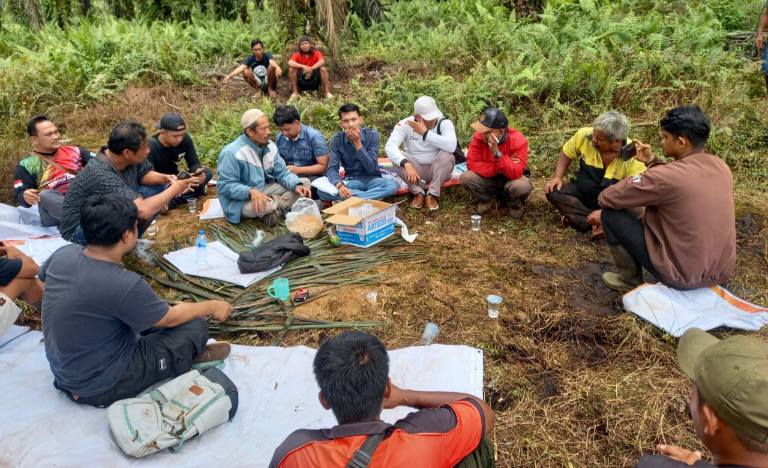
[[352, 371], [307, 69]]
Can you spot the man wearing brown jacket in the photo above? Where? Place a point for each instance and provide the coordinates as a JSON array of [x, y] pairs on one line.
[[687, 236]]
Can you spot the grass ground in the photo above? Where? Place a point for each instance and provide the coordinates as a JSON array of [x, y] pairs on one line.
[[575, 381]]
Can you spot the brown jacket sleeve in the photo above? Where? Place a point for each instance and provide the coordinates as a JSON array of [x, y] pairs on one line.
[[646, 189]]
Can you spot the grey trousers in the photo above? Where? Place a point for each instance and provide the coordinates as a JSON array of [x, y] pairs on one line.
[[280, 199], [50, 207], [485, 189], [434, 174]]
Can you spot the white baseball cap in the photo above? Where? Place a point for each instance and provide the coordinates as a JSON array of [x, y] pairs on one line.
[[250, 117], [426, 108]]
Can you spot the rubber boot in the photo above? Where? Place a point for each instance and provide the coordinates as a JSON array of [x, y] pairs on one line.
[[629, 275]]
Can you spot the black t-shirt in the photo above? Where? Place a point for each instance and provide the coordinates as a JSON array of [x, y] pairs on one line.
[[166, 159], [98, 178], [9, 268], [256, 64]]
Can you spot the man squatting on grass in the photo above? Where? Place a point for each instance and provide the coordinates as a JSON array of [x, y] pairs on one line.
[[259, 70], [728, 404], [93, 309], [686, 237], [429, 140], [352, 371]]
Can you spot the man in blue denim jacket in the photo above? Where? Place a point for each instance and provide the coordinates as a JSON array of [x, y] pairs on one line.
[[302, 147], [356, 148], [254, 181]]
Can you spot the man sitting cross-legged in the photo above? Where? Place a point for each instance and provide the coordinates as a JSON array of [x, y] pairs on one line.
[[356, 149], [18, 279], [94, 309], [122, 168], [352, 370]]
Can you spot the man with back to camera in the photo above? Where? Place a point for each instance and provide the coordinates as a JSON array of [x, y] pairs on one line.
[[114, 338], [352, 371]]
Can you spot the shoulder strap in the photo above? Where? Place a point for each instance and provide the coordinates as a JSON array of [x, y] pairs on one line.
[[54, 164], [439, 122], [363, 455]]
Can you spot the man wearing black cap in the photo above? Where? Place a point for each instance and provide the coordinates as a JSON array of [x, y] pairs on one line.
[[497, 161], [166, 148], [728, 405]]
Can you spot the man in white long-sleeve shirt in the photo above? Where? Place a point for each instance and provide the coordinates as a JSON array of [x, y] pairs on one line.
[[427, 162]]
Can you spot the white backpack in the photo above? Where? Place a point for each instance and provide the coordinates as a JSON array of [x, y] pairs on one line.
[[172, 413]]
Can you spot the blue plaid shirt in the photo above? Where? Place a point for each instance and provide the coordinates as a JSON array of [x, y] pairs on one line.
[[304, 150]]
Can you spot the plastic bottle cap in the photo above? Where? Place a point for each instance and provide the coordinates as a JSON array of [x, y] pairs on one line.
[[201, 231]]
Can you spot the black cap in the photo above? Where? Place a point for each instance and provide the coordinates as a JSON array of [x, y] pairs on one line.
[[171, 122], [491, 118]]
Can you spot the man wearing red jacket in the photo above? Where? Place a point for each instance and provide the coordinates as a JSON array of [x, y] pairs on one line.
[[497, 162]]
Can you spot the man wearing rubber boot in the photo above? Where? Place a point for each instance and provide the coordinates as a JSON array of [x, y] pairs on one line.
[[686, 237]]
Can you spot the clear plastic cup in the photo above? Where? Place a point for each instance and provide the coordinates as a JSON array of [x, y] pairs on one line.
[[475, 220], [494, 305], [192, 205], [258, 238], [431, 330], [152, 230]]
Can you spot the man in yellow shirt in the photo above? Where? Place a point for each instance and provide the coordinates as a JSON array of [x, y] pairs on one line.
[[605, 157]]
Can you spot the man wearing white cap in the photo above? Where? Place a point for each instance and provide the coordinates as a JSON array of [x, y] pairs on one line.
[[428, 160], [254, 181]]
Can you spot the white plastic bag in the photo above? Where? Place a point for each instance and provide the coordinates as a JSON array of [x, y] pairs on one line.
[[304, 218]]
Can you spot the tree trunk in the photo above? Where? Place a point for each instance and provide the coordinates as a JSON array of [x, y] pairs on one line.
[[528, 8]]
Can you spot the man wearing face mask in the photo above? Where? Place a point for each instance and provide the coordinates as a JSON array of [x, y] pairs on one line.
[[42, 178], [497, 161], [598, 150], [254, 181], [430, 141]]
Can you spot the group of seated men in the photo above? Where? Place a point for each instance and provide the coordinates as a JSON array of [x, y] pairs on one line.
[[675, 220]]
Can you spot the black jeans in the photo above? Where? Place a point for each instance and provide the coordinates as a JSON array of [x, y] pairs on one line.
[[160, 354], [572, 204], [624, 229]]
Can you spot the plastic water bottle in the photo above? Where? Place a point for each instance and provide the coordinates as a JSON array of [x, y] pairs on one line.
[[201, 248]]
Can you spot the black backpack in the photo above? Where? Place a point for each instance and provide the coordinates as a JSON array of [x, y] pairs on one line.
[[458, 153]]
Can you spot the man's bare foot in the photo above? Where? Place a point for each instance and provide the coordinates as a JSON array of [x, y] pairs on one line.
[[293, 96], [328, 95]]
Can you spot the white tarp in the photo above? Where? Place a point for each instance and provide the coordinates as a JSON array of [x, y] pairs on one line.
[[221, 265], [277, 392], [676, 311]]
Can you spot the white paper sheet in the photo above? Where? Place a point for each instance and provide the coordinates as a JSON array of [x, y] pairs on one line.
[[277, 393], [211, 209], [41, 249], [221, 265], [676, 311], [13, 333], [17, 231], [325, 185]]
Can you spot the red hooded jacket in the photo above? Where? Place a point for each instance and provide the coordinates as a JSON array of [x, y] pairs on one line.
[[511, 163]]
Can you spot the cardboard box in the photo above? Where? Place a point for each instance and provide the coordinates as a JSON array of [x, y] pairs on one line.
[[358, 230]]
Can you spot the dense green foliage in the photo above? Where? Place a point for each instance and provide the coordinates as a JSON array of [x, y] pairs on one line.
[[582, 57]]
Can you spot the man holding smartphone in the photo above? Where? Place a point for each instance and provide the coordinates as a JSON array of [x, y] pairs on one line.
[[497, 160], [598, 150], [167, 148]]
